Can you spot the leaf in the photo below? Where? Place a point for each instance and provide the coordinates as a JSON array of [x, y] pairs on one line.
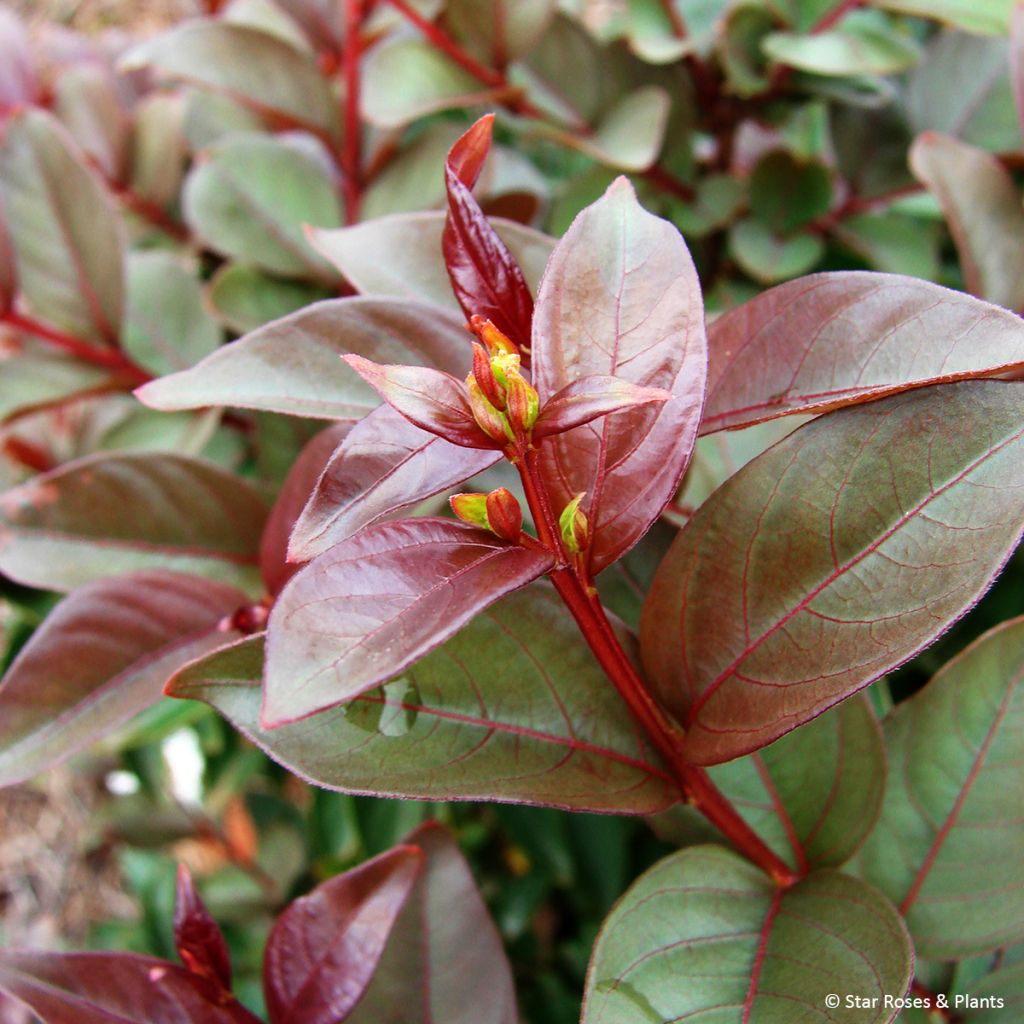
[[514, 708], [32, 380], [158, 149], [841, 338], [705, 934], [786, 193], [430, 399], [198, 940], [860, 50], [588, 398], [324, 949], [244, 298], [405, 79], [115, 988], [296, 491], [983, 208], [166, 326], [292, 365], [986, 16], [110, 514], [769, 257], [18, 79], [832, 558], [100, 657], [499, 33], [249, 197], [444, 960], [86, 101], [386, 464], [949, 833], [398, 255], [67, 235], [621, 298], [893, 243], [369, 607], [485, 278], [1016, 60], [251, 67]]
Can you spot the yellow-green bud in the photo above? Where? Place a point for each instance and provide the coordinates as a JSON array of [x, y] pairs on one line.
[[574, 526]]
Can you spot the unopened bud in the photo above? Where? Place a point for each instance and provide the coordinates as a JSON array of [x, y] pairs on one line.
[[504, 515], [489, 419], [494, 339], [522, 401], [485, 377], [574, 526], [471, 508]]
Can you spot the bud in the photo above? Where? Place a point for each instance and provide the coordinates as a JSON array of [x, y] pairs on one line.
[[522, 401], [471, 508], [504, 515], [489, 419], [483, 372], [574, 526], [495, 341]]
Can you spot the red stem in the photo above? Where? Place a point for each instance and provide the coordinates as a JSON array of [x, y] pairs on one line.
[[675, 19], [826, 21], [351, 157], [150, 211]]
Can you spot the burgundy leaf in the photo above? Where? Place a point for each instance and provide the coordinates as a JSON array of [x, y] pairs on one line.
[[621, 297], [836, 339], [373, 604], [384, 465], [485, 277], [200, 943], [445, 960], [586, 399], [102, 656], [430, 399], [115, 988], [324, 949], [298, 486]]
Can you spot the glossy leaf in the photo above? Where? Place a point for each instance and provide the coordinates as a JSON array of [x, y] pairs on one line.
[[295, 492], [398, 255], [68, 238], [444, 960], [485, 278], [838, 339], [102, 656], [430, 399], [513, 708], [386, 464], [115, 988], [292, 365], [250, 66], [372, 605], [832, 558], [706, 934], [197, 938], [71, 526], [983, 208], [249, 197], [621, 298], [588, 398], [954, 802], [324, 949]]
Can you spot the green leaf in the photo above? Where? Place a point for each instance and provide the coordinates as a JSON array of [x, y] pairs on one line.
[[100, 657], [786, 193], [742, 33], [67, 235], [705, 935], [769, 257], [949, 833], [87, 103], [513, 708], [292, 365], [990, 17], [251, 67], [400, 255], [158, 151], [832, 558], [408, 78], [249, 197], [106, 515], [34, 380], [893, 243], [246, 298], [983, 207], [166, 326], [499, 33], [855, 51]]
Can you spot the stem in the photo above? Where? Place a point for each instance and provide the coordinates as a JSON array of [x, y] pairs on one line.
[[835, 15], [78, 347], [150, 211], [351, 157], [675, 19]]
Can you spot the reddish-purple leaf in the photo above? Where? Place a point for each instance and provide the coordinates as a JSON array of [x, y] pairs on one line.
[[102, 656], [831, 559], [298, 486], [444, 960], [384, 465], [430, 399], [198, 939], [324, 949], [621, 297], [19, 81], [587, 399], [830, 340], [485, 277], [1017, 59], [115, 988], [373, 604]]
